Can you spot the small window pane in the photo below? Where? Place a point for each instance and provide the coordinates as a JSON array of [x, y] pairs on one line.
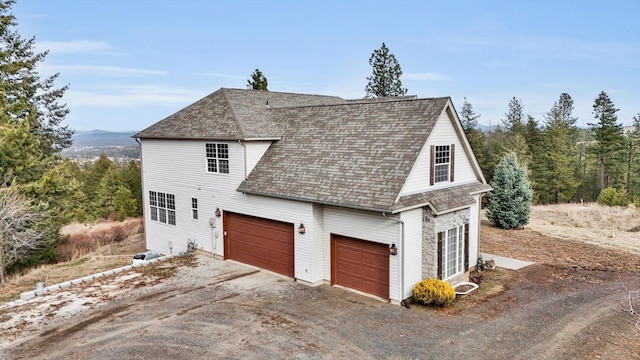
[[154, 213], [224, 166], [162, 200], [171, 202], [223, 151], [172, 217], [212, 165], [163, 215]]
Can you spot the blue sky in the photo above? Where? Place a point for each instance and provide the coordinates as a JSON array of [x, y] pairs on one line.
[[131, 63]]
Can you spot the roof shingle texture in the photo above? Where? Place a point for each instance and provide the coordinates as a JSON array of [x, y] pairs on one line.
[[355, 155], [231, 114], [444, 199]]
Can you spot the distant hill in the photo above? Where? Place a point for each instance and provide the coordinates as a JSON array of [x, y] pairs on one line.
[[102, 138], [88, 145]]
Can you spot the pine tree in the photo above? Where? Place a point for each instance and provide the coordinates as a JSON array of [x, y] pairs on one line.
[[469, 121], [509, 204], [555, 168], [609, 142], [26, 97], [633, 159], [385, 78], [258, 81], [514, 118]]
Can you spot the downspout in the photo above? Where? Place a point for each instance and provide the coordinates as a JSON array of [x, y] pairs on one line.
[[401, 272]]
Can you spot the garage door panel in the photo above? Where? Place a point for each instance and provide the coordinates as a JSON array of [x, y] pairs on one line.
[[361, 265], [264, 243]]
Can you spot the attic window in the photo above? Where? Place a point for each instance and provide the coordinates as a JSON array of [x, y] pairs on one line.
[[217, 158]]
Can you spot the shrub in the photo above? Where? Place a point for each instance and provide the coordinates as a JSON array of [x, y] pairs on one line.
[[613, 197], [434, 292]]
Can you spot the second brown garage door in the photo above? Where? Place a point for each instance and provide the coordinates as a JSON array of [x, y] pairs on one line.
[[361, 265], [267, 244]]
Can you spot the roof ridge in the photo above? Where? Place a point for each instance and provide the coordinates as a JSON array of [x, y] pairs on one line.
[[357, 102], [233, 112], [283, 92]]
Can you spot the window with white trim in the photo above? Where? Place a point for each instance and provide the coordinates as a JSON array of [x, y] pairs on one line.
[[452, 252], [194, 208], [217, 158], [163, 207], [442, 162]]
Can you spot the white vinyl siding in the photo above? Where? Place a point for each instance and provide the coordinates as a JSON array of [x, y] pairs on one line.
[[412, 249], [443, 133], [255, 150], [184, 159]]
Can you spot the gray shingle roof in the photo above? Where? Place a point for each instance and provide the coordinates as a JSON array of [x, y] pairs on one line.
[[356, 155], [445, 199], [352, 153], [231, 114]]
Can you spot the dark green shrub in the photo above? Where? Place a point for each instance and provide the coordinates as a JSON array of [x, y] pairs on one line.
[[434, 291]]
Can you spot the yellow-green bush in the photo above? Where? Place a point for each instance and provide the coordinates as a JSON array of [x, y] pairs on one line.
[[434, 292]]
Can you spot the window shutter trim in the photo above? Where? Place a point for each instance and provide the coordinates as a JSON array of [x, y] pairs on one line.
[[466, 247], [440, 255], [452, 155], [433, 166]]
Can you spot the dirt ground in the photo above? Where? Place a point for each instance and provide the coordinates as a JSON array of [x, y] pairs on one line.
[[570, 305]]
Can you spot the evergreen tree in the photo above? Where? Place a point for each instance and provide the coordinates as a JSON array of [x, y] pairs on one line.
[[258, 81], [633, 159], [469, 121], [514, 118], [609, 142], [555, 179], [385, 78], [26, 97], [509, 204]]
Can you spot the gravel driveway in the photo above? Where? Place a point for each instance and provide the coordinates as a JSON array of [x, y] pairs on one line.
[[220, 309]]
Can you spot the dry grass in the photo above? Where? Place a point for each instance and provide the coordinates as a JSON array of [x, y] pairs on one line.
[[606, 226], [85, 250], [80, 239]]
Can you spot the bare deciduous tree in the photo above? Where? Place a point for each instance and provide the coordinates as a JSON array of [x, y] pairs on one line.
[[18, 234]]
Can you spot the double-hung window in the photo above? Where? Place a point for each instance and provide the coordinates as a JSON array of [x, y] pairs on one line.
[[442, 164], [162, 207], [194, 208], [452, 252], [217, 158]]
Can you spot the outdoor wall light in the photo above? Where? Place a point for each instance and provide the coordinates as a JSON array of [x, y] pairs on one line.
[[301, 229], [393, 250], [218, 213]]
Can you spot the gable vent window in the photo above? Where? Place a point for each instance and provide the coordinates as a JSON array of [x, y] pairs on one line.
[[217, 158], [163, 207], [442, 163]]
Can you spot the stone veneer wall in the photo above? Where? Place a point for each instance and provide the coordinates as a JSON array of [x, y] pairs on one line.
[[431, 226]]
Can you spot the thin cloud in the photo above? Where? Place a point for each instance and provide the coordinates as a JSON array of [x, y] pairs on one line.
[[426, 76], [99, 70], [133, 96], [222, 75], [74, 47]]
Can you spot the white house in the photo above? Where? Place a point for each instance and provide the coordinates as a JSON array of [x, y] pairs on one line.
[[372, 195]]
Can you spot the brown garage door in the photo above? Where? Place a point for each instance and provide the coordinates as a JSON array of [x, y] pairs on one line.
[[264, 243], [361, 265]]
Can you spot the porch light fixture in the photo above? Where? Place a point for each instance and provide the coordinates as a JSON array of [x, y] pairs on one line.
[[301, 229], [218, 213], [393, 250]]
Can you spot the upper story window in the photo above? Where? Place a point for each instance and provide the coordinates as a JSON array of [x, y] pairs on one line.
[[217, 158], [163, 207], [442, 163]]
